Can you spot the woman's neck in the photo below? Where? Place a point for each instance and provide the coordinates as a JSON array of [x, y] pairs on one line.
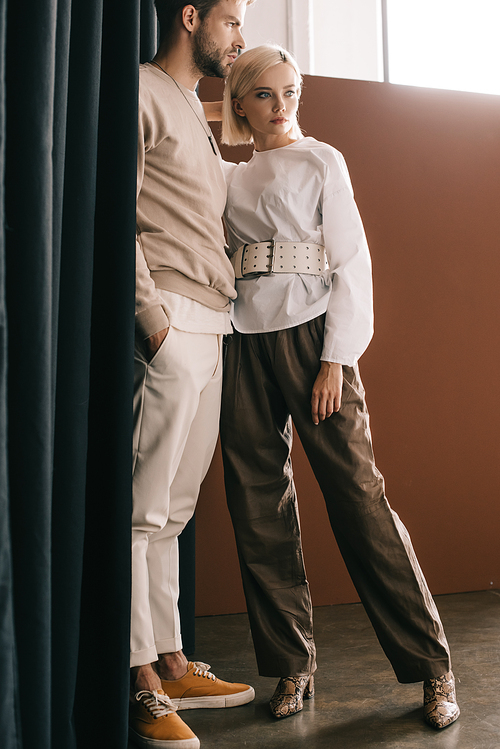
[[263, 142]]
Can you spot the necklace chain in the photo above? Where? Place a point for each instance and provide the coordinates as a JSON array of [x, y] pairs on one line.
[[209, 135]]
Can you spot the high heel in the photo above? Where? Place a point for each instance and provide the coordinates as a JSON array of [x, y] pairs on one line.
[[309, 690], [290, 694], [440, 701]]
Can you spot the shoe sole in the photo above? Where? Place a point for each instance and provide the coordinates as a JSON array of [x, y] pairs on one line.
[[222, 700], [193, 743]]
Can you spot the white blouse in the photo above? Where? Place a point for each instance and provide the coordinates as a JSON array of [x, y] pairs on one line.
[[302, 193]]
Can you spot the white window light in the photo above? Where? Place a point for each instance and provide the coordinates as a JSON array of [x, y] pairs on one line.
[[452, 44]]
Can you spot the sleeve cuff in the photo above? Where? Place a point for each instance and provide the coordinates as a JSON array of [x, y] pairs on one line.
[[347, 361], [340, 360], [151, 321]]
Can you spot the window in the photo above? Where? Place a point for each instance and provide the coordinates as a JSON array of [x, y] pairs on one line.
[[347, 39], [450, 44]]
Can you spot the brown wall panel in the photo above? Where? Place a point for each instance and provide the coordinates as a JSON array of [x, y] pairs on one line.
[[425, 166]]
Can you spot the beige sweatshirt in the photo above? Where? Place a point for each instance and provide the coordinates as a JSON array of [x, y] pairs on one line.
[[181, 195]]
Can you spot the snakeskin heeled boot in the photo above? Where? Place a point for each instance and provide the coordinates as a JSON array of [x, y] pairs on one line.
[[290, 694], [440, 701]]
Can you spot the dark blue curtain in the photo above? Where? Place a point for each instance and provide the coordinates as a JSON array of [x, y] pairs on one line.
[[68, 130]]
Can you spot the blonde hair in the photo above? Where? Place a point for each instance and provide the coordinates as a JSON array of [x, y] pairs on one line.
[[246, 70]]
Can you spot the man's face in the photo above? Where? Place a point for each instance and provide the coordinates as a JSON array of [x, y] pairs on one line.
[[218, 39]]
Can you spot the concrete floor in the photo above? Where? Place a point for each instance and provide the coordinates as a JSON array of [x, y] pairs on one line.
[[358, 701]]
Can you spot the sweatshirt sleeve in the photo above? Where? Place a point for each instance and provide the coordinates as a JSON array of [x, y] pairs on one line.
[[150, 316], [349, 315]]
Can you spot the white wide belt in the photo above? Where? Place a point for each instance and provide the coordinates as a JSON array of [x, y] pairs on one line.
[[279, 257]]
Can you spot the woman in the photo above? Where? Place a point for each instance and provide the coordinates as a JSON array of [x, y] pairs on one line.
[[303, 317]]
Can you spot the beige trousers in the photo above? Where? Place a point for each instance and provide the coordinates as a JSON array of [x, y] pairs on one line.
[[176, 419]]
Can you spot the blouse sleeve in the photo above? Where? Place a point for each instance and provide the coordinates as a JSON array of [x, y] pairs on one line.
[[228, 168], [349, 315]]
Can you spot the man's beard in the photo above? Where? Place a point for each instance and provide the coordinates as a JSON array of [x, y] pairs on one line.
[[207, 57]]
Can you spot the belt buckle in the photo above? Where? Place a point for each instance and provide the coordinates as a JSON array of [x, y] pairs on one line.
[[271, 245]]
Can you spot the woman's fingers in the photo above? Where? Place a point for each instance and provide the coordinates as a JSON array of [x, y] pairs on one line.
[[315, 408], [329, 403], [327, 392]]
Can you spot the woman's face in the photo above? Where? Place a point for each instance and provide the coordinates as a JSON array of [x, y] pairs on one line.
[[271, 106]]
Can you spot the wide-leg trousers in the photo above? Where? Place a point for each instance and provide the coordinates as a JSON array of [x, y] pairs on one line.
[[176, 423], [268, 382]]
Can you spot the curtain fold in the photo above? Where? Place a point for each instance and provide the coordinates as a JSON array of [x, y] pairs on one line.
[[79, 79], [109, 466], [9, 716], [31, 344], [68, 84]]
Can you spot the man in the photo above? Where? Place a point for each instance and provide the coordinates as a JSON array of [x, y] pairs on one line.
[[184, 284]]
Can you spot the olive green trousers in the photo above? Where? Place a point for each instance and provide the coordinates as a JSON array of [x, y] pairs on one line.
[[268, 380]]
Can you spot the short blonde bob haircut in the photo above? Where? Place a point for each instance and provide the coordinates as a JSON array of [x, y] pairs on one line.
[[245, 72]]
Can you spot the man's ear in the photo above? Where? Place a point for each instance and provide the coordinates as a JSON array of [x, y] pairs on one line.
[[189, 18], [238, 108]]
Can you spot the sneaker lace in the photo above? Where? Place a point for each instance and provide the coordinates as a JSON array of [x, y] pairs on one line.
[[203, 669], [157, 704]]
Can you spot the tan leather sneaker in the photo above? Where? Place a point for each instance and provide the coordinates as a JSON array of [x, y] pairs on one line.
[[154, 723], [200, 688]]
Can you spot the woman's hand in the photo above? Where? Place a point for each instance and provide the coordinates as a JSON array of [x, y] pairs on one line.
[[213, 110], [327, 391]]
